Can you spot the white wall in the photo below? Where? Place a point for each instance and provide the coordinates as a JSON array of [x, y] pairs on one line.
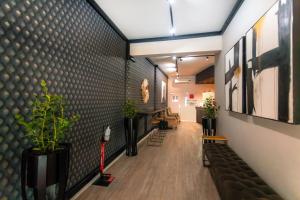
[[271, 148], [202, 44]]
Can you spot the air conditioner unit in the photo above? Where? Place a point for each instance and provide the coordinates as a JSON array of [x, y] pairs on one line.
[[184, 80]]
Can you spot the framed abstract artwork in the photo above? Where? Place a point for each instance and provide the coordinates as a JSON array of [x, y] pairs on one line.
[[234, 78], [272, 67], [163, 91]]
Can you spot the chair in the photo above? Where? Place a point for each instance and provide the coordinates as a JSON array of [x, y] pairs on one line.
[[172, 120], [171, 114]]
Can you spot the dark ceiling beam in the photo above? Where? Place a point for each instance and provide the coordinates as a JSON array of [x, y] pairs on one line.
[[235, 9], [155, 65], [176, 37], [107, 19], [171, 16]]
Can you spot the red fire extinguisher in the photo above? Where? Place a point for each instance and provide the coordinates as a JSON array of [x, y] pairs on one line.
[[105, 178]]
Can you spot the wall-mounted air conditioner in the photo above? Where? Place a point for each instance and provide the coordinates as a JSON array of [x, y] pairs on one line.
[[184, 80]]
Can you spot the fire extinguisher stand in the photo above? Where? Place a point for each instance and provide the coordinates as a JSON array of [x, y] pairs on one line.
[[105, 179]]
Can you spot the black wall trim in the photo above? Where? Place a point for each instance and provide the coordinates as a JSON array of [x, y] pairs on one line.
[[107, 19], [156, 66], [155, 78], [162, 72], [176, 37], [235, 9], [151, 62]]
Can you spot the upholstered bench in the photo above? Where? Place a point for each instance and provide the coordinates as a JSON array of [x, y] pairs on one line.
[[234, 179]]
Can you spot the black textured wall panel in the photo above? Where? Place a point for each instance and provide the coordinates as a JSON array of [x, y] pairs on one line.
[[136, 72], [67, 43], [159, 78]]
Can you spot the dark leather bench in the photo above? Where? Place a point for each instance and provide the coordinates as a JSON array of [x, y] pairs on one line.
[[234, 179]]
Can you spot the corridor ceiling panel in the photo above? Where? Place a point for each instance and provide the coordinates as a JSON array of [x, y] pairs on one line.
[[140, 19], [201, 16]]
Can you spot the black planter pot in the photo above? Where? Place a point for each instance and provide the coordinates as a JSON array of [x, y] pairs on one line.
[[38, 171], [131, 136], [209, 126]]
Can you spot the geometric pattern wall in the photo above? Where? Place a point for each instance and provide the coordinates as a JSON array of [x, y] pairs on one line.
[[136, 72], [68, 44]]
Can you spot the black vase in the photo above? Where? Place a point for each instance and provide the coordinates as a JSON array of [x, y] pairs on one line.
[[209, 126], [40, 170], [131, 137]]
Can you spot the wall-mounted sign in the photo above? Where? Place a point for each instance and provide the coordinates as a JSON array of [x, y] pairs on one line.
[[145, 90]]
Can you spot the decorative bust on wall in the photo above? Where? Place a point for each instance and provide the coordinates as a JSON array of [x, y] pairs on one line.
[[145, 90]]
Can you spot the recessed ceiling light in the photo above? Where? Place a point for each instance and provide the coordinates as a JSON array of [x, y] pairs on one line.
[[171, 1], [170, 65], [172, 31], [186, 58], [171, 69]]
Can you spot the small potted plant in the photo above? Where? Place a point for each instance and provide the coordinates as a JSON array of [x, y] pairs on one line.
[[210, 113], [46, 163], [130, 112]]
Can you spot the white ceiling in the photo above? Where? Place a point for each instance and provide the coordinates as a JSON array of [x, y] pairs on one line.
[[151, 18], [188, 66]]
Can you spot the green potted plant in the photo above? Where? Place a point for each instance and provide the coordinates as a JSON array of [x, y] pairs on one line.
[[130, 112], [46, 163], [210, 113]]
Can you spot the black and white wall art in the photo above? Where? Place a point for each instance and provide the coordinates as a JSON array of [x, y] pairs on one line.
[[269, 65], [234, 78], [262, 74]]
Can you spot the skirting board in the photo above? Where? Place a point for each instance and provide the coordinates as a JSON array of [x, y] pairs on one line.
[[106, 168]]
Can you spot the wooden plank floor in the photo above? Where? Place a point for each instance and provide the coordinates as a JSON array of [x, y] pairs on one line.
[[173, 171]]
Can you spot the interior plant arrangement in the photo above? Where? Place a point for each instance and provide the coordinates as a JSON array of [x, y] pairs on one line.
[[210, 113], [130, 123], [46, 163]]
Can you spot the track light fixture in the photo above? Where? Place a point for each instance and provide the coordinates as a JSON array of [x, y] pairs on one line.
[[171, 2], [172, 30]]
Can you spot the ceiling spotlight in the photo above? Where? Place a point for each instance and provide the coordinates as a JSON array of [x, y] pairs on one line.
[[174, 57], [171, 69], [170, 65], [171, 2], [172, 31]]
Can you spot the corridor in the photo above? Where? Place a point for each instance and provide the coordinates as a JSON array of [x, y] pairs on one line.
[[173, 171]]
